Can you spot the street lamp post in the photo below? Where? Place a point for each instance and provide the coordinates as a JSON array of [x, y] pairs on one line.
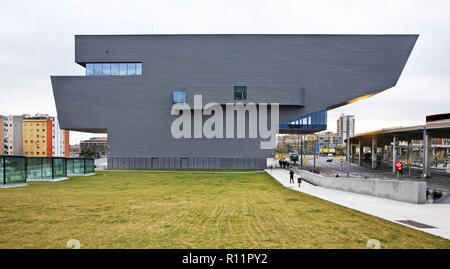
[[348, 144]]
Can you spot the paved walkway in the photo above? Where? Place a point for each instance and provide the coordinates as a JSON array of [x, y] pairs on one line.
[[436, 215]]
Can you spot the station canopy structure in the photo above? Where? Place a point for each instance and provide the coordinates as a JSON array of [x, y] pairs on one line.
[[386, 136]]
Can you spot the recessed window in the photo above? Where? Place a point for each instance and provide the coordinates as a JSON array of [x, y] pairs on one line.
[[138, 69], [179, 97], [114, 69], [131, 69], [106, 70], [123, 69], [240, 92], [98, 70], [89, 69]]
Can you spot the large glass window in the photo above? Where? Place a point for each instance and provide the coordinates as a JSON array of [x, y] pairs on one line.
[[138, 69], [131, 69], [89, 69], [106, 69], [59, 167], [1, 170], [89, 166], [47, 171], [70, 166], [15, 169], [34, 168], [240, 92], [123, 69], [315, 120], [98, 69], [114, 69], [78, 166]]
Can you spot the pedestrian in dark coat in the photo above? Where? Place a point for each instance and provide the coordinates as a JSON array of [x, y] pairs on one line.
[[291, 177]]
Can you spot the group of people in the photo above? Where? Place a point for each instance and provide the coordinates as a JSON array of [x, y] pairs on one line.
[[284, 164]]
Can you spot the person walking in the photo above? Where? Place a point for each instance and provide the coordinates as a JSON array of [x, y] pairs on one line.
[[299, 180], [291, 177]]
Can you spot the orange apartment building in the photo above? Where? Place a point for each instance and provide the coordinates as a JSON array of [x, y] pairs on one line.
[[42, 137]]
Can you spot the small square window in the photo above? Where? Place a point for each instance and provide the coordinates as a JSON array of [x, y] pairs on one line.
[[240, 92], [179, 97]]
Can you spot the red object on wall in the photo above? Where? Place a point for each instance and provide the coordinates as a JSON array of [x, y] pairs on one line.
[[66, 144], [49, 138], [398, 166]]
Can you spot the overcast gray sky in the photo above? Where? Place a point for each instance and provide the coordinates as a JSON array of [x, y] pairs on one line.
[[37, 40]]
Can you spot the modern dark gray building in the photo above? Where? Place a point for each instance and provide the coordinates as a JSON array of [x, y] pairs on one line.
[[132, 82]]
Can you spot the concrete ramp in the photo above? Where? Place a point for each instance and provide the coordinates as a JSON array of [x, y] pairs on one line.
[[401, 190]]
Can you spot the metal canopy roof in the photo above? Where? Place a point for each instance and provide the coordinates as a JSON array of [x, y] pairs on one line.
[[386, 136]]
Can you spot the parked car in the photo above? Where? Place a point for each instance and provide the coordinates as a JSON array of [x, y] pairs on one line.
[[330, 157]]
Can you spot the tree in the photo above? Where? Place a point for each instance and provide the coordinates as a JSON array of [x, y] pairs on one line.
[[89, 153]]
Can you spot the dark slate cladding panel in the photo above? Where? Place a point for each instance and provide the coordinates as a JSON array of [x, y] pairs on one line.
[[200, 163], [217, 163], [305, 72], [185, 162], [226, 163]]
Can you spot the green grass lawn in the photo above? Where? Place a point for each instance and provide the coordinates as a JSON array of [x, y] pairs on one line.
[[183, 210]]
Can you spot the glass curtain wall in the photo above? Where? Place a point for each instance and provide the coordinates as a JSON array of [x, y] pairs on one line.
[[59, 167], [2, 175], [70, 163], [15, 169], [46, 167], [78, 166], [47, 171], [34, 168], [89, 166]]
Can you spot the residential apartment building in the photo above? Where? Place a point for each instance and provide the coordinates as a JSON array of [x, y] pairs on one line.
[[11, 130], [43, 137], [1, 135], [342, 126]]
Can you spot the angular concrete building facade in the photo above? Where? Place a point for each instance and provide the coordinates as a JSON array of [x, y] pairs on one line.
[[131, 80]]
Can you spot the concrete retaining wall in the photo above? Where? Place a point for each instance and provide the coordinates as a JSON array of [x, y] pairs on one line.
[[401, 190]]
